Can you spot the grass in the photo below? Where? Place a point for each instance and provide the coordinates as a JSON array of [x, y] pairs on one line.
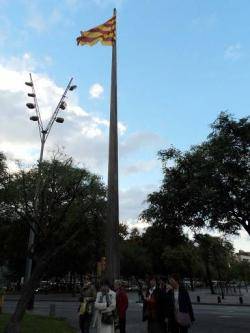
[[39, 324]]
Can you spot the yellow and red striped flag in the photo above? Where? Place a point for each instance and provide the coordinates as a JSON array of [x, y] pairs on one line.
[[104, 33]]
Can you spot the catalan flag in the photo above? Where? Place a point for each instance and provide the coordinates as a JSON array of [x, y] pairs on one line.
[[104, 33]]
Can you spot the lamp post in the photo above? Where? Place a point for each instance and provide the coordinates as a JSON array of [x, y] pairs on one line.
[[44, 133]]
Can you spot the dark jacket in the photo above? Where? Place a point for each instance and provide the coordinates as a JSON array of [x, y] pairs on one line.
[[156, 306], [184, 303]]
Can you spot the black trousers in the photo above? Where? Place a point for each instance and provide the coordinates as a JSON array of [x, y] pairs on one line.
[[174, 327], [122, 325], [84, 323], [155, 326]]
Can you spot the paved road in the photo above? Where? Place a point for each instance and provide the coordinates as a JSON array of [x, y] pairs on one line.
[[209, 319], [221, 319]]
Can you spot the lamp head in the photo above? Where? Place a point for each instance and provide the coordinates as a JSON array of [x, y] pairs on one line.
[[30, 84], [63, 105], [30, 105], [73, 87], [59, 120], [34, 118]]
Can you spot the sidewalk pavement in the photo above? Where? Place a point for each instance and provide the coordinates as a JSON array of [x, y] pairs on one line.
[[221, 316], [207, 298], [204, 294]]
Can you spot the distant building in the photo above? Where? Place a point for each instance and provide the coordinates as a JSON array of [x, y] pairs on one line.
[[243, 256]]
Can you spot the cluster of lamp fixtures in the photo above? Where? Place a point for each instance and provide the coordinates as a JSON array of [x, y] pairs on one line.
[[62, 106]]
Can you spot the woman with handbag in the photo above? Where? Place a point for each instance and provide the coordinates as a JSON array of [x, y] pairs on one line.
[[179, 311], [105, 305]]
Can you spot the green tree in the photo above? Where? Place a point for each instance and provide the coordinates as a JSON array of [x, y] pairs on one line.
[[156, 238], [217, 255], [183, 259], [135, 259], [240, 270], [208, 186], [70, 208]]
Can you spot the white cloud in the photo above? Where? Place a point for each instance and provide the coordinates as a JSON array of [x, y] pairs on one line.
[[96, 90], [133, 201], [233, 52], [121, 128], [141, 166], [24, 63], [19, 137], [138, 224], [103, 122], [138, 141], [84, 136], [21, 151], [241, 242], [91, 131]]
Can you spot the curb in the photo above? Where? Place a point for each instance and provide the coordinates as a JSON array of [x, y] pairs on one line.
[[216, 304], [45, 300], [76, 301], [221, 304]]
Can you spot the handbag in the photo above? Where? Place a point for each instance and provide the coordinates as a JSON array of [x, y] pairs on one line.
[[183, 319], [107, 318]]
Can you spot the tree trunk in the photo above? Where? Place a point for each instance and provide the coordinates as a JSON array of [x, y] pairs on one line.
[[191, 281], [14, 324], [210, 283]]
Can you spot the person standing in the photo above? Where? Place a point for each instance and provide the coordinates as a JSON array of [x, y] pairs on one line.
[[2, 292], [155, 308], [179, 310], [105, 306], [85, 310], [121, 305]]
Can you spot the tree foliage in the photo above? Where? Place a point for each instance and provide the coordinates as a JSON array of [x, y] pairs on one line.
[[66, 208], [207, 186]]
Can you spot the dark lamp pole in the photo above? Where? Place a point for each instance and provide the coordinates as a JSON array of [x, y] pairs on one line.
[[44, 133]]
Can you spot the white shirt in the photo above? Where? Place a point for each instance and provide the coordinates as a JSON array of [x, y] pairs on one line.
[[176, 299], [151, 290]]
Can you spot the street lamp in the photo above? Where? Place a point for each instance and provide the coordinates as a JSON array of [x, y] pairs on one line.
[[30, 105], [44, 133]]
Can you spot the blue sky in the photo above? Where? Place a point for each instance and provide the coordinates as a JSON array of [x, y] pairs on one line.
[[180, 62]]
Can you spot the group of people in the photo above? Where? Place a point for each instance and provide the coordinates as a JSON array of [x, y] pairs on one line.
[[105, 309], [166, 307]]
